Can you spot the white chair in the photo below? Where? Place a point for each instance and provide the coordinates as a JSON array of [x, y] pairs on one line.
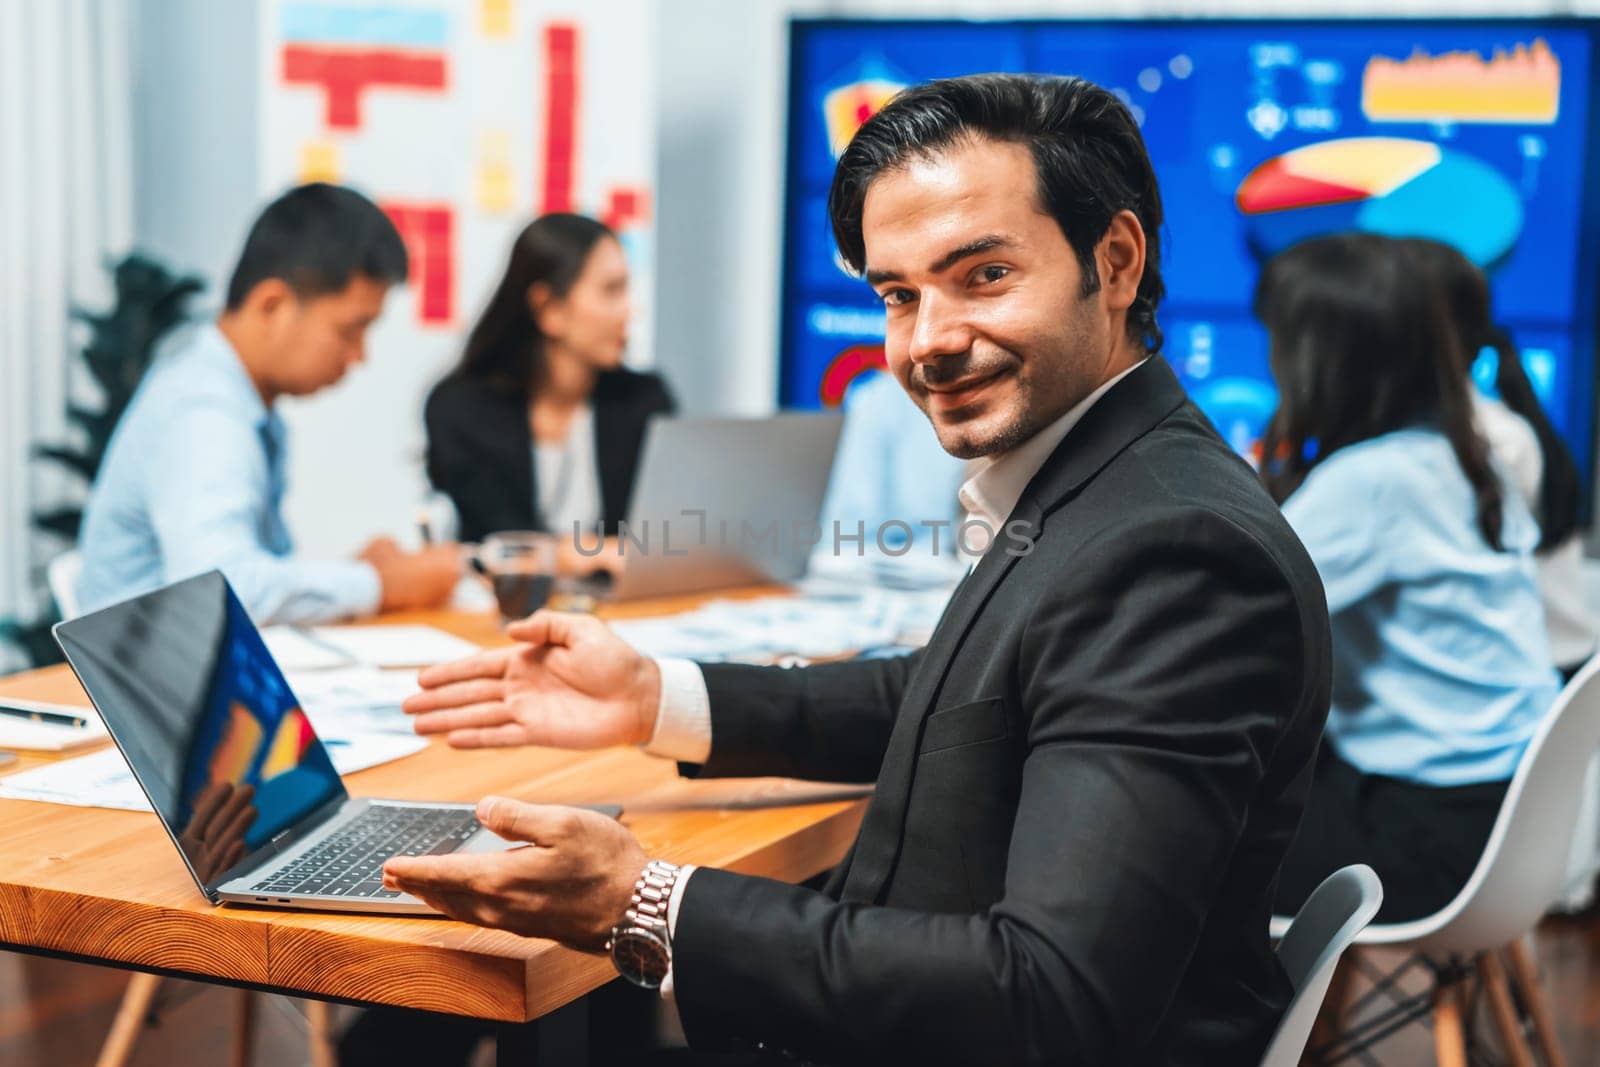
[[1518, 878], [62, 576], [1328, 922]]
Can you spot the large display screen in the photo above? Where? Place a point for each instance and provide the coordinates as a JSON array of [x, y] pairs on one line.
[[1478, 133]]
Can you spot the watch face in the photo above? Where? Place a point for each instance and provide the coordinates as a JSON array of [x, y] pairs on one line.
[[640, 956]]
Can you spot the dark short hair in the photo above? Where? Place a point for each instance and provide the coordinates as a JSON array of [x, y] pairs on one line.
[[1086, 147], [317, 238]]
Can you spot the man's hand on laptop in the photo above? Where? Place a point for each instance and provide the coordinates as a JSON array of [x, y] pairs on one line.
[[569, 683], [572, 883]]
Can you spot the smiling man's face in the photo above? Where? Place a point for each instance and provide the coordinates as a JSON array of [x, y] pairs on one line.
[[988, 329]]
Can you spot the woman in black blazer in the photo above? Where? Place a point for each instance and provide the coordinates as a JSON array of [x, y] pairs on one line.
[[539, 427]]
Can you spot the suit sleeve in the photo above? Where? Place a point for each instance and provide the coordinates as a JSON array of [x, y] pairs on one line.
[[1156, 679], [827, 723]]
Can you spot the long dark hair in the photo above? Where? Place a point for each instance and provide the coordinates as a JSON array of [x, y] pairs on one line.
[[505, 348], [1362, 345], [1466, 293]]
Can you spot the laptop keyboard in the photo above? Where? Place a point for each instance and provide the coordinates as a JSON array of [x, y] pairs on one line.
[[350, 863]]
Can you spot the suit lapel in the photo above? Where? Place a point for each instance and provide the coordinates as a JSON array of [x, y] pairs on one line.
[[1130, 410], [514, 435], [878, 844], [613, 447]]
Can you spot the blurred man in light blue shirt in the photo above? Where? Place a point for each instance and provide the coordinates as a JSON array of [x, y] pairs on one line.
[[194, 476], [890, 470]]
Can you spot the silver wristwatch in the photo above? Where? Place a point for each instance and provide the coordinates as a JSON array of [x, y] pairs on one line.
[[641, 945]]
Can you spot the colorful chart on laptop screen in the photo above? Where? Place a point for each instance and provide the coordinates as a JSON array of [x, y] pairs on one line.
[[255, 734], [1390, 185]]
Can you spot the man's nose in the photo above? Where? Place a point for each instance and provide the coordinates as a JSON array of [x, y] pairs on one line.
[[940, 329]]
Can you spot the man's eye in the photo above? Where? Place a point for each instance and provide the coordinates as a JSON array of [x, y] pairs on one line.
[[992, 273], [896, 297]]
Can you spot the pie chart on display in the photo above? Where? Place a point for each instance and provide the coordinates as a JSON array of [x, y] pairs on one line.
[[1396, 186]]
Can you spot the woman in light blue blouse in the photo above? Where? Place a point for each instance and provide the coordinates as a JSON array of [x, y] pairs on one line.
[[1441, 666]]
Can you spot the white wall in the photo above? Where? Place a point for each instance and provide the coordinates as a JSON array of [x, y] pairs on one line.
[[720, 88], [194, 127]]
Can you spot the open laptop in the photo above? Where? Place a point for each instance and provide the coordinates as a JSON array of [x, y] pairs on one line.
[[230, 762], [722, 502]]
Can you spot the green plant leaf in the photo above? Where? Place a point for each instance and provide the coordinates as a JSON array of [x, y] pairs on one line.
[[122, 340], [80, 463], [33, 639], [62, 522]]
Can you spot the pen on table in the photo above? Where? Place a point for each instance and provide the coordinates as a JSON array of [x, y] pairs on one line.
[[57, 718]]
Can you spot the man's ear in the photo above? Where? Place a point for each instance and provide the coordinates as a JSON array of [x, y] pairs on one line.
[[1120, 258], [268, 297]]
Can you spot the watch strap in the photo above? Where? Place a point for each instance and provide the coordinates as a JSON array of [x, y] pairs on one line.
[[652, 894]]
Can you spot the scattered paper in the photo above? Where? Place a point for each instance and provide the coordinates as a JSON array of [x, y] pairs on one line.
[[99, 780], [365, 686], [103, 780], [393, 646], [294, 649], [17, 732], [354, 700], [831, 617]]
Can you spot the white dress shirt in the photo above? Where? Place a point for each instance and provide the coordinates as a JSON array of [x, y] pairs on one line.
[[683, 715], [567, 474], [997, 482]]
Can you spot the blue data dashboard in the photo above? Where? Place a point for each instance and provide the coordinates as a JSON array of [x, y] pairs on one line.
[[1478, 133]]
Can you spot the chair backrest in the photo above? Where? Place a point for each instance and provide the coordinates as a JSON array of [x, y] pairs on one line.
[[1328, 922], [1523, 867], [62, 575]]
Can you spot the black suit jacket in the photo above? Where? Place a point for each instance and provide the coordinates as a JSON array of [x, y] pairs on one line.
[[480, 448], [1086, 783]]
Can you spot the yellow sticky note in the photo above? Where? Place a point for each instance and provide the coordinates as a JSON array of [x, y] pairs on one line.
[[494, 17], [319, 162], [493, 186]]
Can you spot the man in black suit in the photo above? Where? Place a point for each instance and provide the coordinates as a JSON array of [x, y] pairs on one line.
[[1088, 778]]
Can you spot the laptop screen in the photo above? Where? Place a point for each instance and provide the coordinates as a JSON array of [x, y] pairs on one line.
[[192, 697]]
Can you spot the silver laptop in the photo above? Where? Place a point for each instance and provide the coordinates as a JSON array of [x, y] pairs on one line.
[[235, 772], [722, 502]]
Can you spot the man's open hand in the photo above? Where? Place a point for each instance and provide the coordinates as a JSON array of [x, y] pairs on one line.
[[571, 683]]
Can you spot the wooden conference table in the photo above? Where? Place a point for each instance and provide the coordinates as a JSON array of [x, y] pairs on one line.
[[108, 887]]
